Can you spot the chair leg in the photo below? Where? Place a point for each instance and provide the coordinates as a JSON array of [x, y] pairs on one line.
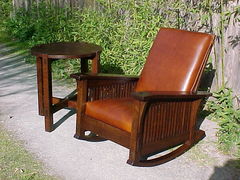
[[80, 133], [81, 99], [199, 134], [137, 161], [134, 158], [79, 136]]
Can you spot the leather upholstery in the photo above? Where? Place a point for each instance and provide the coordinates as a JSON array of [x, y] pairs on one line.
[[116, 112], [175, 61]]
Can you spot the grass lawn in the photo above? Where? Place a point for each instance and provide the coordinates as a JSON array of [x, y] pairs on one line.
[[16, 163]]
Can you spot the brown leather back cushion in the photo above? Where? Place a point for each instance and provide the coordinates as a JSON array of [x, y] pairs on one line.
[[175, 61]]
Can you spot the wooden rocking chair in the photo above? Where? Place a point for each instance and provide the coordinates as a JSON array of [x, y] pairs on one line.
[[154, 112]]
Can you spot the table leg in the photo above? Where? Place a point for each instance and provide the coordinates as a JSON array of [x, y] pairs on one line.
[[84, 65], [47, 92], [96, 64], [40, 86]]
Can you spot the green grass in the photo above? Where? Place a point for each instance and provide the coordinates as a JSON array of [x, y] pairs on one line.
[[16, 162]]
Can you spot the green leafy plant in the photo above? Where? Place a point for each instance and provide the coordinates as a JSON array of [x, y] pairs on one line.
[[5, 8], [228, 118], [5, 11]]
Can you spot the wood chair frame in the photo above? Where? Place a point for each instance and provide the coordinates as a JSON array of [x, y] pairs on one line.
[[183, 129]]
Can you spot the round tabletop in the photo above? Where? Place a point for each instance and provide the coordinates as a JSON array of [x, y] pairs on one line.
[[62, 50]]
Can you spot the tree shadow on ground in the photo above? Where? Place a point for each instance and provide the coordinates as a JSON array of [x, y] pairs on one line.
[[14, 71], [230, 170]]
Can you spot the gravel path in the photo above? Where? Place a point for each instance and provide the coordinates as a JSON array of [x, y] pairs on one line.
[[72, 159]]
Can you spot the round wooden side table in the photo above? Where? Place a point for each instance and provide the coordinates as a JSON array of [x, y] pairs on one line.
[[45, 54]]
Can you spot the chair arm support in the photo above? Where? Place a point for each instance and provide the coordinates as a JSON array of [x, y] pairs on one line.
[[157, 95], [101, 76]]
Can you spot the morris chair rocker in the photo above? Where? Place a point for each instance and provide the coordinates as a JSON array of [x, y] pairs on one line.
[[154, 112]]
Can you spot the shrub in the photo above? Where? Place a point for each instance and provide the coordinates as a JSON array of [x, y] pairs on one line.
[[228, 118], [5, 11], [5, 8]]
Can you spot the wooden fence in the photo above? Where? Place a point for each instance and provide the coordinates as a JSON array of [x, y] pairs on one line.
[[59, 3], [227, 50]]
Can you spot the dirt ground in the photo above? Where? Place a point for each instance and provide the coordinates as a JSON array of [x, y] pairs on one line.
[[73, 159]]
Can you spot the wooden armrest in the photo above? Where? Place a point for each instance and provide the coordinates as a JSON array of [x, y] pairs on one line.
[[100, 76], [156, 95]]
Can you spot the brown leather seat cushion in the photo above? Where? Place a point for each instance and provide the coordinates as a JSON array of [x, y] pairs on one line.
[[115, 112]]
